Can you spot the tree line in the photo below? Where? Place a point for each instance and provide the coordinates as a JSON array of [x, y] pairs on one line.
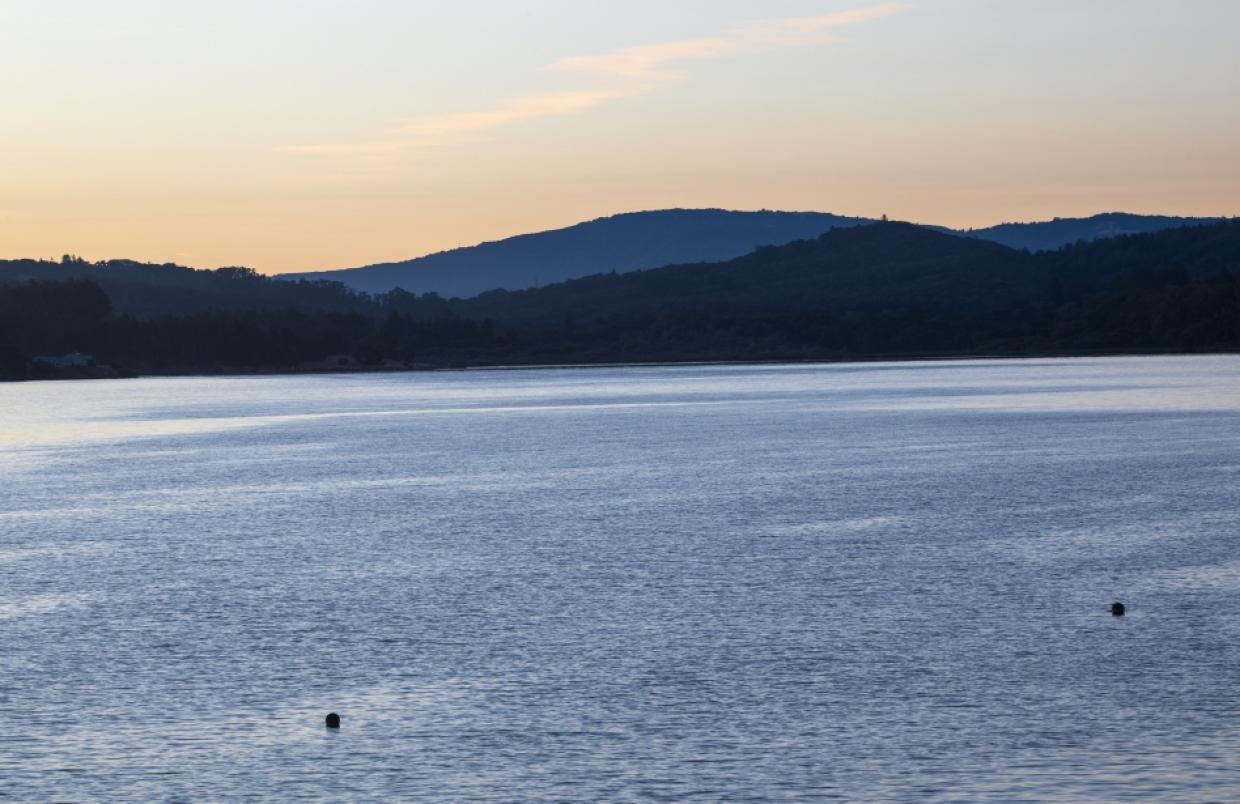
[[880, 291]]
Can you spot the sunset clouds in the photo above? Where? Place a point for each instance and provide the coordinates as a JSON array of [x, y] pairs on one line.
[[622, 73], [652, 63], [290, 136], [514, 110]]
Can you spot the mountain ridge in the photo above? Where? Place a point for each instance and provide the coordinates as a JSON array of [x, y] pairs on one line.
[[624, 242], [884, 290], [654, 238], [1059, 232]]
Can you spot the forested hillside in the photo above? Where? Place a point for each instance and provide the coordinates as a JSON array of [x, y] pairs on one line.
[[1060, 232], [627, 242], [874, 291], [643, 240]]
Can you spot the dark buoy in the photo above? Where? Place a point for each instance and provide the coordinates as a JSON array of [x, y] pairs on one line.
[[333, 721], [1117, 609]]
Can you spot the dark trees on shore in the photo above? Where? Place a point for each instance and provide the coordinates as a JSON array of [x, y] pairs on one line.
[[889, 290]]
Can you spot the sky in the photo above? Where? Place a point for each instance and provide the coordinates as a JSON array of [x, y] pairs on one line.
[[293, 136]]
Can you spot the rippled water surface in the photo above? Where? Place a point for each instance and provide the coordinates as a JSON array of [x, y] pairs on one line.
[[879, 581]]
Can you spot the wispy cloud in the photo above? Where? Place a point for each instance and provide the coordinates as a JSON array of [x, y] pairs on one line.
[[651, 62], [647, 62], [622, 73], [349, 148], [514, 110]]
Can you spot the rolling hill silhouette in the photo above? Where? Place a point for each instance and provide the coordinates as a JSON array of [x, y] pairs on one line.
[[880, 290], [1057, 233], [620, 243], [642, 240], [875, 266]]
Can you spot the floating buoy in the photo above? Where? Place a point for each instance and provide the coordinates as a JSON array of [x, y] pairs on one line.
[[333, 721], [1117, 609]]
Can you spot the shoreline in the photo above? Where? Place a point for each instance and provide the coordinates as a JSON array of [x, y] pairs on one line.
[[426, 369]]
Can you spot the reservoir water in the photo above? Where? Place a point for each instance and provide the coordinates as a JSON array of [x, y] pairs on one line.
[[885, 581]]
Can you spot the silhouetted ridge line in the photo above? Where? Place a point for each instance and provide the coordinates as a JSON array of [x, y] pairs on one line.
[[643, 240], [627, 242], [1055, 234], [881, 290]]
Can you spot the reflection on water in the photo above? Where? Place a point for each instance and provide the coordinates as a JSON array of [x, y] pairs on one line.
[[871, 581], [39, 604]]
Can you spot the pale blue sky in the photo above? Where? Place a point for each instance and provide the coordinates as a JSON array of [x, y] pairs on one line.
[[296, 135]]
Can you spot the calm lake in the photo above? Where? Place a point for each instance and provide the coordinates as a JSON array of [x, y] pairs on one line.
[[716, 583]]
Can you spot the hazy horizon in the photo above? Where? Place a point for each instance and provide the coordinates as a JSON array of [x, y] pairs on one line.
[[553, 228], [309, 136]]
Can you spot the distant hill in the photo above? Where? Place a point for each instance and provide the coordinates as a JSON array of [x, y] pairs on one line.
[[147, 290], [894, 289], [882, 290], [642, 240], [1057, 233], [619, 243], [876, 266]]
